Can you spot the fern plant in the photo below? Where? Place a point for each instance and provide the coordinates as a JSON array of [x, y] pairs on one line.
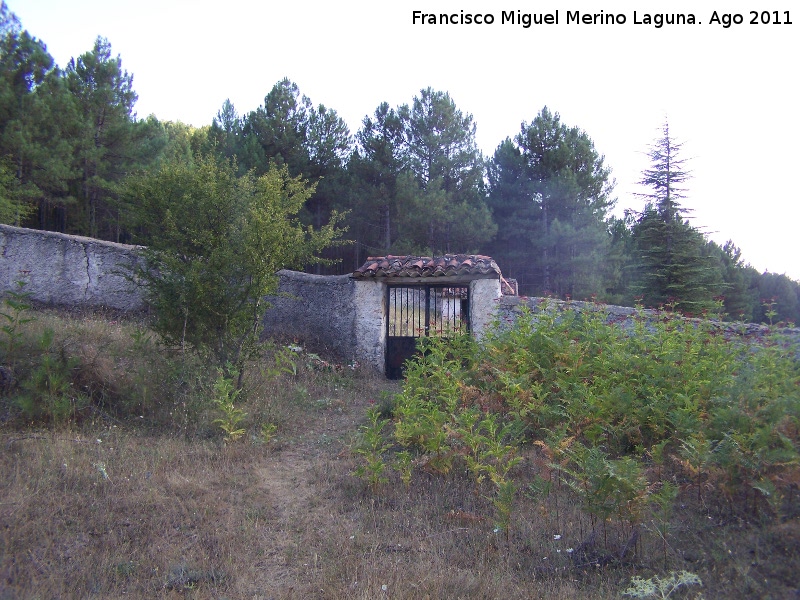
[[371, 447], [225, 395]]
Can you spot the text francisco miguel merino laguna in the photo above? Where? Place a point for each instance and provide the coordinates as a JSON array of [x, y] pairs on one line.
[[575, 17]]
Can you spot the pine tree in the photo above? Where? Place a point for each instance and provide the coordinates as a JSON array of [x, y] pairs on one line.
[[550, 195], [374, 168], [417, 179], [36, 121], [105, 148]]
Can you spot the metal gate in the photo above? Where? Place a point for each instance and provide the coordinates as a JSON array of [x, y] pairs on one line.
[[421, 310]]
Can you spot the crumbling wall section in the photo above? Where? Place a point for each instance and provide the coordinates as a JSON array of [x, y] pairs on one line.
[[69, 270]]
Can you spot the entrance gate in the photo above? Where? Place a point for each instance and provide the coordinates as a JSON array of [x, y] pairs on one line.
[[415, 311]]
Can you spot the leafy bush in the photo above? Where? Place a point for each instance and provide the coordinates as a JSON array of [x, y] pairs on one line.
[[215, 242]]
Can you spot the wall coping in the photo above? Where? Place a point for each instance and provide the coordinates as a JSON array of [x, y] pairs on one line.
[[67, 237]]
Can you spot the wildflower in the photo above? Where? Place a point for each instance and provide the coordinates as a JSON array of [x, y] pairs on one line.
[[557, 537]]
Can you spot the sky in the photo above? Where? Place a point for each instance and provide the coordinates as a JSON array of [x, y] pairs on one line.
[[730, 93]]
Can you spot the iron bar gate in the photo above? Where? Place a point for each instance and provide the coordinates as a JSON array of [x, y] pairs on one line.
[[416, 311]]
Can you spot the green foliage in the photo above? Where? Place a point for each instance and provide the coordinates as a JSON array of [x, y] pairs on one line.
[[656, 587], [607, 487], [284, 362], [287, 130], [769, 310], [445, 207], [48, 393], [621, 413], [268, 432], [664, 500], [12, 209], [225, 395], [675, 265], [404, 465], [549, 192], [14, 311], [417, 179], [215, 241], [371, 447], [35, 114], [104, 135], [780, 299]]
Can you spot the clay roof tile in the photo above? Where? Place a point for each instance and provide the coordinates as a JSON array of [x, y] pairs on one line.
[[426, 266]]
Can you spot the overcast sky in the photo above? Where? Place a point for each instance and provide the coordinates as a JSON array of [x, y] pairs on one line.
[[730, 94]]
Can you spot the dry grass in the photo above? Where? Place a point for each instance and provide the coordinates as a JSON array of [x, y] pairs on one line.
[[159, 507]]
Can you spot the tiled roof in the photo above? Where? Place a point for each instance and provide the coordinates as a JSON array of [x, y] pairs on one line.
[[425, 266]]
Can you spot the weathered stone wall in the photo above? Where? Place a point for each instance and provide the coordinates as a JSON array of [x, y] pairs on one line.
[[370, 322], [347, 317], [484, 294], [336, 314], [317, 310], [68, 270], [509, 308]]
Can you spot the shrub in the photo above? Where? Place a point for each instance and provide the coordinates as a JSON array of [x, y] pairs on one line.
[[611, 408]]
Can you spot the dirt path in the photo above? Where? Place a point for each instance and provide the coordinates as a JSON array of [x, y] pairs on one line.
[[293, 478]]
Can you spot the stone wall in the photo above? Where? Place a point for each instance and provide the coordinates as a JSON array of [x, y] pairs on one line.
[[347, 317], [508, 309], [370, 323], [68, 270], [484, 294], [317, 310], [335, 314], [338, 315]]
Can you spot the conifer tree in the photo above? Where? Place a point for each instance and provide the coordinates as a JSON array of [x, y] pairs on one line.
[[417, 179], [550, 194], [105, 143], [36, 119], [675, 265]]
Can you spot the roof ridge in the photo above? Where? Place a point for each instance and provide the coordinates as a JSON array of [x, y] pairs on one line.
[[409, 265]]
